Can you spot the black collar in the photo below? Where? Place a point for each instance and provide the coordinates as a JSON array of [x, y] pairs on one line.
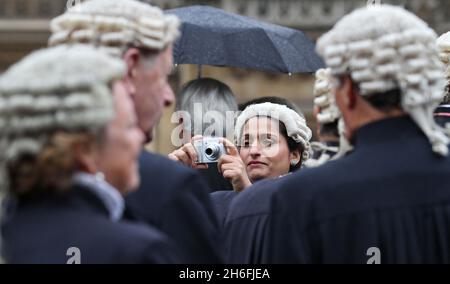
[[76, 196], [386, 130]]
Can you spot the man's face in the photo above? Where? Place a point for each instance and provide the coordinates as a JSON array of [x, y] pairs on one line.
[[152, 90]]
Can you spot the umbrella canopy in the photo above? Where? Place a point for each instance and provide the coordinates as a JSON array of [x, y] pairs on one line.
[[212, 36]]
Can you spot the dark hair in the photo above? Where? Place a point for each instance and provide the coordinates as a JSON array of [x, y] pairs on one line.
[[383, 101], [292, 145]]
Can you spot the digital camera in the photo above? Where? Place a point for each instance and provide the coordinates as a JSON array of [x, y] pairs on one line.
[[209, 149]]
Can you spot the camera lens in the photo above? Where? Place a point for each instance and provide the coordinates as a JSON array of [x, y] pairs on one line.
[[212, 152], [209, 151]]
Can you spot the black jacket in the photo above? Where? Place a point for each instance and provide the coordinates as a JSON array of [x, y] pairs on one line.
[[390, 198], [245, 223], [176, 200], [44, 229]]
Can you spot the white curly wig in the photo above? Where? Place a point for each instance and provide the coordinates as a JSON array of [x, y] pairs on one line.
[[324, 97], [53, 89], [60, 88], [384, 47], [115, 25], [295, 123], [329, 112]]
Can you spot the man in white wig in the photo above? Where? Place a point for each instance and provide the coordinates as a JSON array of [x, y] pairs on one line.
[[388, 200], [171, 197], [62, 118], [327, 116]]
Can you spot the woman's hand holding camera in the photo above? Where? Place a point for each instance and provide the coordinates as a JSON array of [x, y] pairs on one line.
[[232, 167], [187, 155]]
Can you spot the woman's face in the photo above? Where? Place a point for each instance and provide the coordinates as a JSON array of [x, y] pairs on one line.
[[119, 152], [264, 149]]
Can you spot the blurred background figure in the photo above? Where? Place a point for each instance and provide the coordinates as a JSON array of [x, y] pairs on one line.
[[203, 105], [69, 148], [330, 126], [327, 115], [171, 197], [442, 112], [388, 200]]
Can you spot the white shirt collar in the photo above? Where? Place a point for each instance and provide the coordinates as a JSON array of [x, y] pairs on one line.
[[108, 194]]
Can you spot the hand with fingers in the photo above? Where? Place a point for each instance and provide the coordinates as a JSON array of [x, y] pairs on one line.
[[232, 167], [187, 155]]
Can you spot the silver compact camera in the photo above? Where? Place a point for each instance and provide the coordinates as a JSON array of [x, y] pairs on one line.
[[209, 149]]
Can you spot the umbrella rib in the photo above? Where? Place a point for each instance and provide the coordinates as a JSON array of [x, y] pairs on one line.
[[279, 54]]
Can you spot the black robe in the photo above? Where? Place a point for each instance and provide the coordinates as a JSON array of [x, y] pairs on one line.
[[49, 228], [175, 199], [221, 201], [246, 223], [388, 200], [214, 179]]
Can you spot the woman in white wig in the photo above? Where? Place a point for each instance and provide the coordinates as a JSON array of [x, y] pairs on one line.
[[68, 153], [272, 140]]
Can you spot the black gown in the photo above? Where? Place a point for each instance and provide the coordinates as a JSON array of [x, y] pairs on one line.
[[45, 229], [175, 199], [391, 195], [246, 223], [221, 201], [214, 179]]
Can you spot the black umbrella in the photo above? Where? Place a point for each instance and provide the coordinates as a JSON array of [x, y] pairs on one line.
[[212, 36]]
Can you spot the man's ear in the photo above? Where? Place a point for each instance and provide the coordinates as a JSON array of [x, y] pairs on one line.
[[132, 58], [350, 92], [85, 157]]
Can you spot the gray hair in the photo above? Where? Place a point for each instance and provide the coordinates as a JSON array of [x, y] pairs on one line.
[[205, 99]]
